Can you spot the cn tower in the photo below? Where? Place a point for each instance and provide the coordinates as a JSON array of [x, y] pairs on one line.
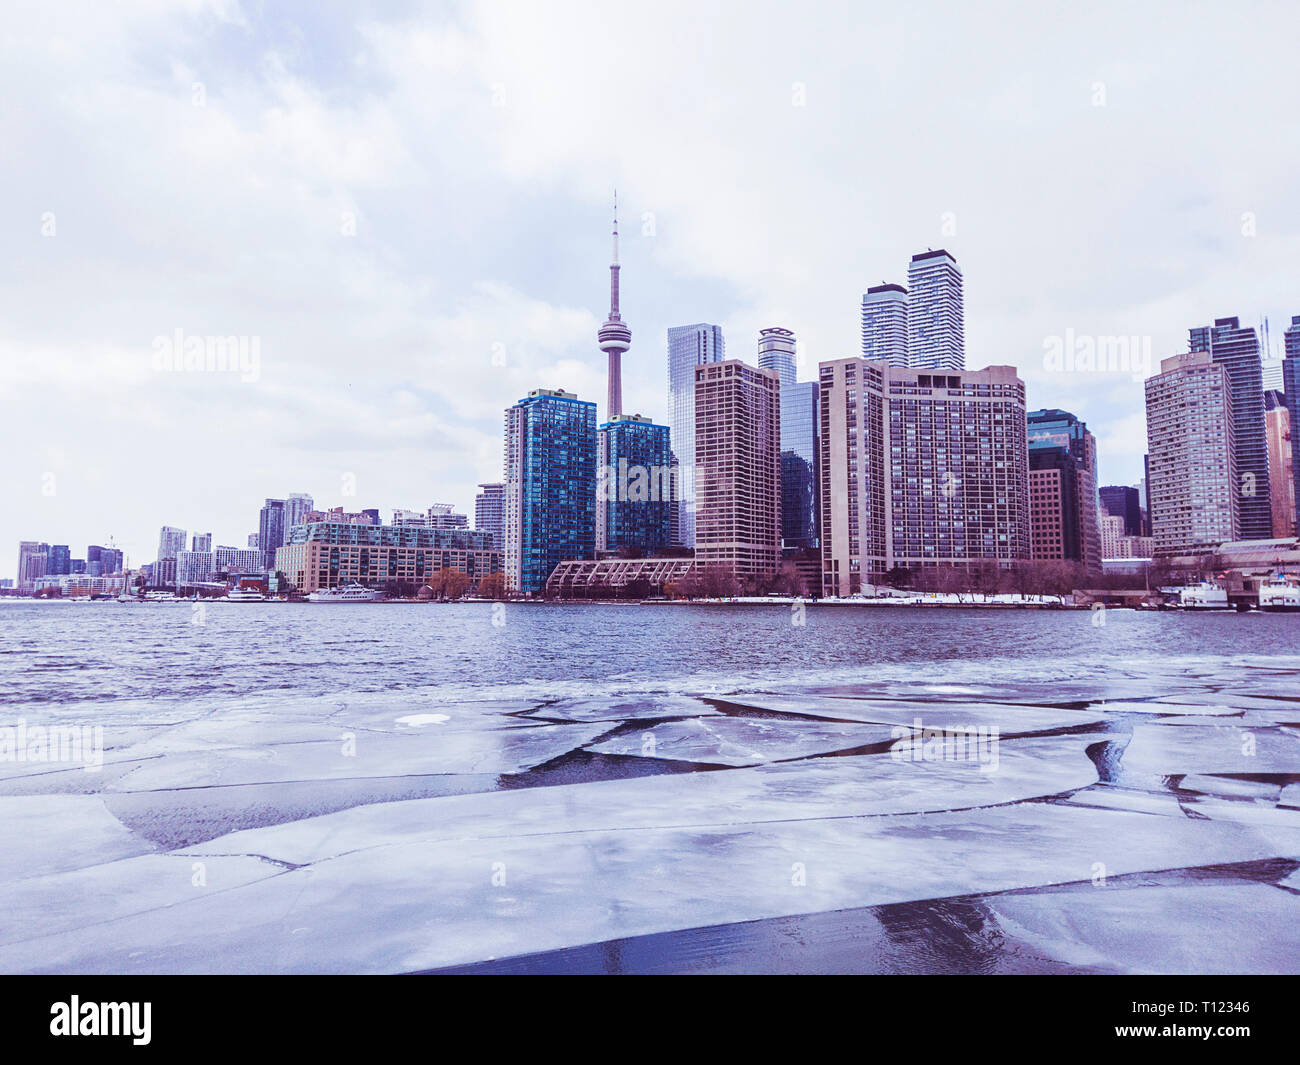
[[614, 336]]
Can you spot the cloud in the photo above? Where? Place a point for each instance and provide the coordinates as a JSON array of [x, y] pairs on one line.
[[409, 211]]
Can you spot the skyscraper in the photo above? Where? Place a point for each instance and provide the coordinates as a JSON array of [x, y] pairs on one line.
[[800, 485], [487, 512], [270, 530], [33, 558], [689, 346], [550, 486], [1125, 502], [1291, 389], [1063, 488], [776, 351], [1281, 471], [171, 542], [936, 336], [1191, 474], [201, 542], [919, 470], [738, 457], [634, 476], [884, 324], [1237, 350], [614, 336]]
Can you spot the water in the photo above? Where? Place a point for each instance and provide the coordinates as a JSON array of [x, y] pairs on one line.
[[410, 788], [68, 653]]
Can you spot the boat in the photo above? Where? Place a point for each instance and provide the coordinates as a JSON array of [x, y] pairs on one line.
[[1279, 595], [245, 595], [345, 593], [161, 597], [1203, 596]]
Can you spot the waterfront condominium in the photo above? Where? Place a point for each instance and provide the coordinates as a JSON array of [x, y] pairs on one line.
[[1236, 349], [487, 512], [919, 469], [738, 462], [936, 337], [1063, 489], [1192, 476], [327, 554], [550, 486], [1291, 389], [1281, 472], [884, 324], [634, 489], [689, 346]]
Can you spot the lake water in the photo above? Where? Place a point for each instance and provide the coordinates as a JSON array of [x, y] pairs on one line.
[[409, 788]]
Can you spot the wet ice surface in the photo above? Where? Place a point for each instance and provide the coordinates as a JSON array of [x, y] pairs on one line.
[[1136, 817]]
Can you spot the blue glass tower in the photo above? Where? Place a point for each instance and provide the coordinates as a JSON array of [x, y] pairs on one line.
[[800, 486], [550, 495], [635, 475]]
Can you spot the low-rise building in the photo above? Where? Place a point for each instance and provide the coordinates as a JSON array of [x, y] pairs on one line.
[[327, 554]]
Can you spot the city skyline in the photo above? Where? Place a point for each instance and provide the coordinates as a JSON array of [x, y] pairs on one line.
[[384, 359]]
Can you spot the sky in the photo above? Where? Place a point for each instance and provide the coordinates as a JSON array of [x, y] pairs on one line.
[[403, 209]]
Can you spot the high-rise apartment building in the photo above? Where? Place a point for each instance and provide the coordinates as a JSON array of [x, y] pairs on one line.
[[296, 509], [936, 332], [59, 560], [550, 493], [920, 469], [738, 461], [270, 530], [1281, 460], [1191, 473], [201, 542], [689, 346], [488, 514], [634, 486], [884, 324], [1236, 349], [1063, 488], [171, 542]]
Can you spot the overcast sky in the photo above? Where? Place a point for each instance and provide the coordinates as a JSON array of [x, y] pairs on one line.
[[407, 207]]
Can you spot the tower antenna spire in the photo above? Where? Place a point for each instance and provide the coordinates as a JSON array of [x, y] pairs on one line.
[[615, 337]]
